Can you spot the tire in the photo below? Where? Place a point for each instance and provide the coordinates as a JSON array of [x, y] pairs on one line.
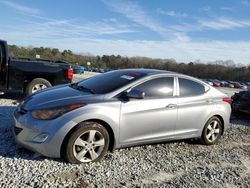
[[212, 131], [36, 85], [89, 142]]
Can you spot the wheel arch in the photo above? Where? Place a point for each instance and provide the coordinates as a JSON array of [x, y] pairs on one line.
[[99, 121], [222, 122], [220, 117]]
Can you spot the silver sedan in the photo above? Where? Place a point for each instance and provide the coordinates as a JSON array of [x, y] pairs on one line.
[[82, 121]]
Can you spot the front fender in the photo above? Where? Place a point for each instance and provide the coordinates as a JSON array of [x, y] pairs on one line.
[[107, 113]]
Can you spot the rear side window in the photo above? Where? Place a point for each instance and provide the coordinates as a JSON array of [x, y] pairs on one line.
[[190, 88], [157, 88]]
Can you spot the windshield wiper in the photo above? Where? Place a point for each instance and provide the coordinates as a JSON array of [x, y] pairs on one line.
[[81, 88]]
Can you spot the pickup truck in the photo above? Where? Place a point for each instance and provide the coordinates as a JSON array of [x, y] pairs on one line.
[[30, 75]]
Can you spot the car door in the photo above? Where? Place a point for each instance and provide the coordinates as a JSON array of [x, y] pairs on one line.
[[152, 118], [194, 106]]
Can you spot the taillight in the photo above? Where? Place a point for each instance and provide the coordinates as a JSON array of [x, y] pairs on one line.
[[70, 73], [228, 100]]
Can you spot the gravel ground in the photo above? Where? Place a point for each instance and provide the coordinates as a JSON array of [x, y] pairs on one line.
[[173, 164]]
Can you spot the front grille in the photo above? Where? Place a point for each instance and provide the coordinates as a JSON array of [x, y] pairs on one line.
[[17, 130]]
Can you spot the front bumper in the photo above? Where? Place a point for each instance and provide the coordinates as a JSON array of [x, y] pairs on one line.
[[44, 137]]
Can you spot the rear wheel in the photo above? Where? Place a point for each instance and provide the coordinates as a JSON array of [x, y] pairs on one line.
[[36, 85], [88, 143], [212, 131]]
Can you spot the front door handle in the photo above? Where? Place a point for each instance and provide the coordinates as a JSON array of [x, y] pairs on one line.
[[171, 106]]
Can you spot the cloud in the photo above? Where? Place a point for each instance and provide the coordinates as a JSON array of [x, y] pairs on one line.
[[172, 13], [186, 27], [181, 37], [224, 23], [245, 3], [226, 8], [45, 28], [135, 13], [21, 8]]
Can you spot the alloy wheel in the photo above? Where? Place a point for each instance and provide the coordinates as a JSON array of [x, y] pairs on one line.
[[88, 146], [213, 131]]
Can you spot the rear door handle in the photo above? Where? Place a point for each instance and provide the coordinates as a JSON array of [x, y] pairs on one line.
[[171, 106]]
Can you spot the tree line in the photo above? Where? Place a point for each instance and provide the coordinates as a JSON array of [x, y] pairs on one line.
[[223, 70]]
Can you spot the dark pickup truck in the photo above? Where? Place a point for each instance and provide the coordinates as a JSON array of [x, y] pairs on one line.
[[30, 75]]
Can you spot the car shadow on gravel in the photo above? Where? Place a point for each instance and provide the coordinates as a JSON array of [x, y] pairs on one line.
[[8, 146]]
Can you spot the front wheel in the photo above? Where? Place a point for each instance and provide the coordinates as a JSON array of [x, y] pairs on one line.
[[212, 131], [88, 143]]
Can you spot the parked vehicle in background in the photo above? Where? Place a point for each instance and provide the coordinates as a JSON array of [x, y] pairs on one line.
[[121, 108], [215, 82], [226, 84], [230, 85], [30, 75], [82, 68], [223, 83], [101, 70], [107, 70], [244, 86], [248, 85], [78, 69], [208, 82], [238, 85], [94, 69], [241, 102]]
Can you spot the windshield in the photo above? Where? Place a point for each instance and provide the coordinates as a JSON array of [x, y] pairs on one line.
[[108, 82]]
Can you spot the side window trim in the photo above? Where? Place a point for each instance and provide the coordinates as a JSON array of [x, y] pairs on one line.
[[178, 87]]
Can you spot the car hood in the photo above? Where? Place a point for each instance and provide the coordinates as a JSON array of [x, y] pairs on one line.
[[59, 96]]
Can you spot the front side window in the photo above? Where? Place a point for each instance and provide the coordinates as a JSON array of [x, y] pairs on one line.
[[190, 88], [157, 88]]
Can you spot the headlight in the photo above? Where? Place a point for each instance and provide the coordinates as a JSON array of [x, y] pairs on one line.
[[52, 113]]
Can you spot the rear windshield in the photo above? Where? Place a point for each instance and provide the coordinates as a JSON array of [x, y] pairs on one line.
[[111, 81]]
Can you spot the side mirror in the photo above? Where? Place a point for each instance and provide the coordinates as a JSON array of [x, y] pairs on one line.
[[136, 94]]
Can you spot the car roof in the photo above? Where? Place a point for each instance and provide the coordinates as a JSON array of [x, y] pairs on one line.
[[148, 71]]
